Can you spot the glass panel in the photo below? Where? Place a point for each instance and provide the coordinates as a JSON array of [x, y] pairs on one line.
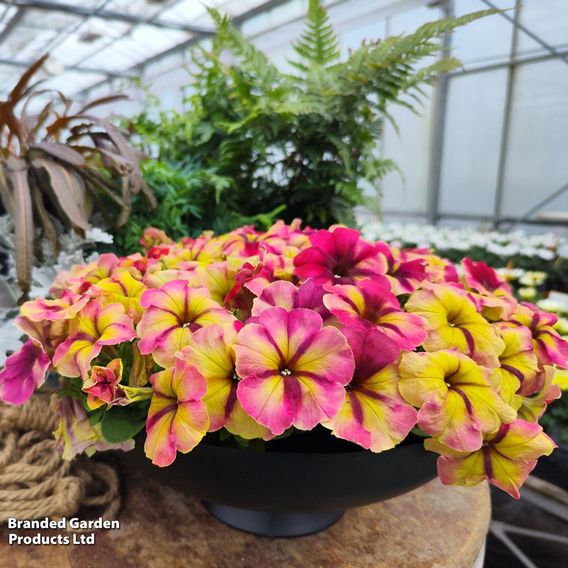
[[265, 19], [6, 14], [72, 82], [110, 58], [548, 20], [9, 76], [23, 42], [486, 40], [410, 20], [43, 20], [140, 8], [471, 142], [352, 39], [410, 147], [92, 37], [191, 12], [84, 3], [536, 161]]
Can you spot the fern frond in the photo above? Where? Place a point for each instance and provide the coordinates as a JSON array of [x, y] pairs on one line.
[[251, 59], [318, 45], [388, 68]]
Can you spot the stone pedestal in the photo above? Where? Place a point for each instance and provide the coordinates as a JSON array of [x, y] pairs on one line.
[[433, 526]]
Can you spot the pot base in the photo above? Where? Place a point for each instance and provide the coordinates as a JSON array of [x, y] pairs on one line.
[[273, 523]]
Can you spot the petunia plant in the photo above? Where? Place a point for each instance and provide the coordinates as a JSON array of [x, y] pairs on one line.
[[251, 336]]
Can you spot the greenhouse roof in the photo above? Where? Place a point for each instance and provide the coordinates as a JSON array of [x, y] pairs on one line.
[[94, 40]]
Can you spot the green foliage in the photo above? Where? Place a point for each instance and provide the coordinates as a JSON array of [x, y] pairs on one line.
[[191, 200], [254, 140], [318, 44], [122, 423]]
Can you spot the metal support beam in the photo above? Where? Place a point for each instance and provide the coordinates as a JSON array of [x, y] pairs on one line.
[[78, 10], [518, 26], [269, 5], [506, 124], [544, 202], [518, 60], [77, 68], [12, 23]]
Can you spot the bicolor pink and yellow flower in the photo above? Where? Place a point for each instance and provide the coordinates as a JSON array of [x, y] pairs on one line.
[[374, 414], [285, 295], [63, 308], [293, 370], [75, 434], [453, 322], [339, 256], [24, 371], [93, 328], [177, 418], [405, 274], [171, 314], [123, 288], [211, 353], [533, 407], [505, 459], [372, 304], [489, 291], [549, 347], [103, 385], [518, 369], [457, 402]]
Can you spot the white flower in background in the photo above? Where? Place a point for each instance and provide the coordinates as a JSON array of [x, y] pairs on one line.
[[562, 250], [554, 306], [527, 293], [543, 246], [556, 302], [533, 278], [97, 235], [510, 274]]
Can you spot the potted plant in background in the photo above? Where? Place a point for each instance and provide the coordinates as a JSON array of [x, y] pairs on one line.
[[254, 143], [299, 370], [59, 167]]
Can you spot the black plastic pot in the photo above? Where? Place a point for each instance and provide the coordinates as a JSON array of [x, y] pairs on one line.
[[300, 486]]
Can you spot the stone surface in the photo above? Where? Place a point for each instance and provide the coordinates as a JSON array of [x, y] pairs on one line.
[[433, 526]]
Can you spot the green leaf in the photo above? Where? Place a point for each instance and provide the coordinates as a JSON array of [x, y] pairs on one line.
[[319, 45], [121, 423], [96, 416], [418, 432]]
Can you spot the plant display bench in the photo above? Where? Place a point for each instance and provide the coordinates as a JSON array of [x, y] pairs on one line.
[[434, 525]]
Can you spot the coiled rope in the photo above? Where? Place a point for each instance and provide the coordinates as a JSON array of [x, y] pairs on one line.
[[35, 482]]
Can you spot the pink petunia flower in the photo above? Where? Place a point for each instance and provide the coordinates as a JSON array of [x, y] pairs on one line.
[[339, 256], [374, 414], [293, 369], [24, 371], [372, 304]]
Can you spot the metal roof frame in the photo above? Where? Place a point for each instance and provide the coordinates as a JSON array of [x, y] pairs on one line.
[[197, 32], [135, 70], [78, 10]]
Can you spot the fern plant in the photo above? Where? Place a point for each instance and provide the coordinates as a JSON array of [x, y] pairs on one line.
[[305, 141]]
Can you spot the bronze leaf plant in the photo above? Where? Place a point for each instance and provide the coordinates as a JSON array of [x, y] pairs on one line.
[[58, 166]]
